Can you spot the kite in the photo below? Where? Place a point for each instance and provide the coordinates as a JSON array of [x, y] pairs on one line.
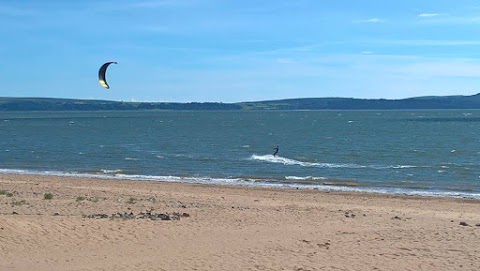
[[102, 73]]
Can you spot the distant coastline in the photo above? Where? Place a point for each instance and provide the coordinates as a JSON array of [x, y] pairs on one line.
[[427, 102]]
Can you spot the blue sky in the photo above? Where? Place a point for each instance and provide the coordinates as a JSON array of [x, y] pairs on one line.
[[230, 51]]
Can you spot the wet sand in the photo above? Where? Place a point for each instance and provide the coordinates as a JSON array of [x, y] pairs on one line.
[[227, 228]]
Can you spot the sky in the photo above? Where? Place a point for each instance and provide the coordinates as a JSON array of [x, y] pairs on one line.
[[233, 51]]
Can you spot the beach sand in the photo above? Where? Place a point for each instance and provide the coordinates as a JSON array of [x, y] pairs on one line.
[[228, 228]]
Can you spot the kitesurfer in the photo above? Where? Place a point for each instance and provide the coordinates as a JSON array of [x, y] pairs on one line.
[[276, 151]]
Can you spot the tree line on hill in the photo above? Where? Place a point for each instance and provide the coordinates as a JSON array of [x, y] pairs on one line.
[[432, 102]]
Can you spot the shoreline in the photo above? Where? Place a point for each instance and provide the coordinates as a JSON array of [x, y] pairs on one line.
[[227, 228], [283, 187], [326, 186]]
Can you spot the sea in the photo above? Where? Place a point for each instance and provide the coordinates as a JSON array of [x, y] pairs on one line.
[[421, 152]]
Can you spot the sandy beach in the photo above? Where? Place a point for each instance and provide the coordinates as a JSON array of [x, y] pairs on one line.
[[60, 223]]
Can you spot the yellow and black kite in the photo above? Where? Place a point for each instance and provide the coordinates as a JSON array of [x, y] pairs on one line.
[[101, 74]]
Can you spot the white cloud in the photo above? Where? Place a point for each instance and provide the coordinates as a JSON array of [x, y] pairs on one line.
[[428, 15], [371, 20]]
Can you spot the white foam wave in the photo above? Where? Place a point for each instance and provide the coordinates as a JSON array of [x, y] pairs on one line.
[[289, 162], [286, 161], [111, 171], [398, 166], [297, 178], [131, 159]]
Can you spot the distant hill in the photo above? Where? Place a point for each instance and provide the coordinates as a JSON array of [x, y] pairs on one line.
[[54, 104], [432, 102], [427, 102]]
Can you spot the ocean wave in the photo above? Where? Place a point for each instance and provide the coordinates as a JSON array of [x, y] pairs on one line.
[[297, 178], [291, 162], [287, 161], [131, 159], [397, 167], [322, 181], [111, 171]]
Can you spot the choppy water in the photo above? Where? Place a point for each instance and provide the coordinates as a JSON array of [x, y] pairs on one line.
[[412, 152]]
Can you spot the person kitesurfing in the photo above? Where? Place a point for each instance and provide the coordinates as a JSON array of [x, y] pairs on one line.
[[276, 151]]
